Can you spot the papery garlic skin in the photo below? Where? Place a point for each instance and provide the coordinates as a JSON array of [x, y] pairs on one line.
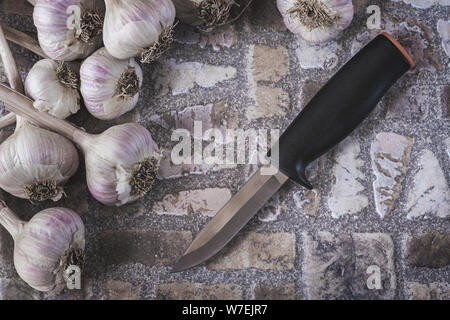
[[51, 18], [203, 12], [51, 91], [109, 86], [333, 16], [35, 163], [46, 246], [121, 164], [138, 28]]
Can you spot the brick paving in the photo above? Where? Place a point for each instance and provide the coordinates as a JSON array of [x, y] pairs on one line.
[[382, 199]]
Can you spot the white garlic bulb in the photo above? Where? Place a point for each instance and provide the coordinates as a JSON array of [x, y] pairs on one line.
[[138, 28], [54, 87], [109, 86], [35, 163], [316, 20], [46, 246], [121, 163], [203, 12], [69, 29]]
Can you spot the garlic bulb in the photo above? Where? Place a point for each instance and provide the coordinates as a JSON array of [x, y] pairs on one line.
[[203, 12], [53, 87], [69, 29], [35, 163], [45, 246], [121, 163], [138, 28], [109, 86], [316, 20]]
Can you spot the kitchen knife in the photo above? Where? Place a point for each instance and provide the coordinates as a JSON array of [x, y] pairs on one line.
[[331, 115]]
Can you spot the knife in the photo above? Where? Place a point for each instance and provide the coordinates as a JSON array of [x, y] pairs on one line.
[[330, 116]]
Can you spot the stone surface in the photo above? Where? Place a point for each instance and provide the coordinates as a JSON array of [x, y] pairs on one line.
[[430, 194], [428, 291], [204, 201], [222, 38], [425, 4], [443, 28], [317, 56], [151, 247], [269, 64], [16, 290], [265, 251], [337, 266], [270, 102], [390, 156], [181, 77], [430, 250], [121, 290], [346, 196], [264, 291], [198, 291]]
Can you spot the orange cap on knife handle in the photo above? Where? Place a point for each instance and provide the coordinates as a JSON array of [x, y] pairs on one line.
[[400, 47]]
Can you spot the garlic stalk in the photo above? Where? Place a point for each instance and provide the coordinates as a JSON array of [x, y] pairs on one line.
[[316, 20], [54, 87], [121, 163], [46, 246], [138, 28], [69, 29], [209, 13], [109, 86], [34, 163]]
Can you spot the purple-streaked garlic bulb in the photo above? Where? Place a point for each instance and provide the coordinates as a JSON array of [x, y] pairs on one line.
[[69, 29], [46, 246], [316, 20], [109, 86], [121, 163], [138, 28], [54, 87], [36, 163], [208, 13]]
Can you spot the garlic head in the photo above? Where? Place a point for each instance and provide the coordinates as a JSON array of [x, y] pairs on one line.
[[46, 246], [59, 42], [316, 20], [121, 164], [138, 28], [54, 87], [209, 13], [35, 163], [109, 86]]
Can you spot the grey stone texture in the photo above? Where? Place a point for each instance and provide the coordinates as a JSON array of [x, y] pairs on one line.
[[380, 202]]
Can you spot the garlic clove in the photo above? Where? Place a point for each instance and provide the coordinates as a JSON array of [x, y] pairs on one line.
[[109, 86], [53, 85], [141, 28], [316, 20]]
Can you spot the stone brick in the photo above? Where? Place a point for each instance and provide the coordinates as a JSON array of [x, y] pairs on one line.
[[270, 102], [431, 250], [203, 201], [428, 291], [317, 56], [346, 196], [181, 77], [271, 209], [443, 28], [220, 38], [390, 156], [337, 266], [121, 290], [411, 101], [198, 291], [269, 64], [150, 247], [430, 194], [266, 251], [264, 291], [21, 7]]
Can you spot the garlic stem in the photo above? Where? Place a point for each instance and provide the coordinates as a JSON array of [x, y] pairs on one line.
[[23, 40], [23, 106], [10, 221]]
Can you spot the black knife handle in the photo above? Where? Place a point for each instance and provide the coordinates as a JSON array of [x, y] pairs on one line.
[[340, 105]]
